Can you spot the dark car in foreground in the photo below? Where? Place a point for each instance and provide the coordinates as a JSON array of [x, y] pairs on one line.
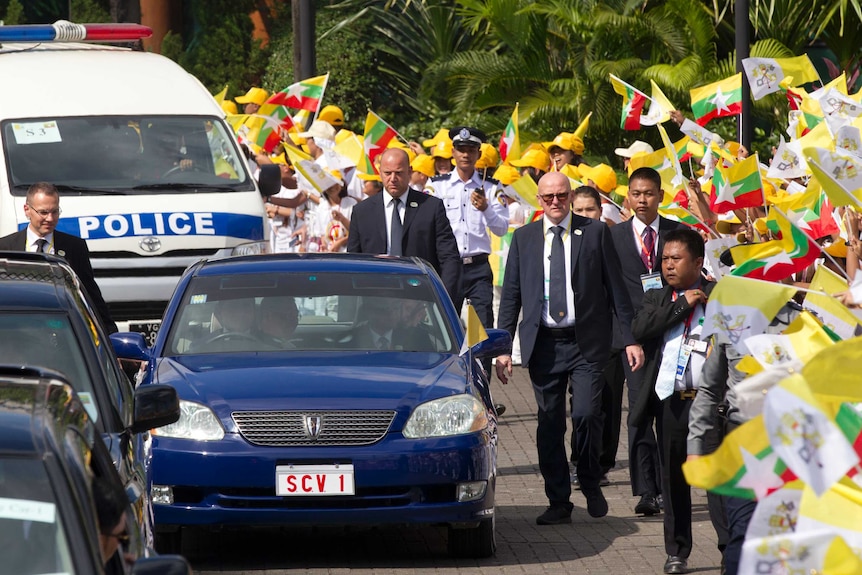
[[50, 455], [322, 389], [46, 320]]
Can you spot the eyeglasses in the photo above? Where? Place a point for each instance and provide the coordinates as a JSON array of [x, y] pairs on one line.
[[121, 537], [548, 198], [45, 213]]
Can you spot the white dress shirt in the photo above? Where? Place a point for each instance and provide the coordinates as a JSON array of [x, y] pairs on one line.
[[638, 228], [547, 320], [388, 207], [33, 237]]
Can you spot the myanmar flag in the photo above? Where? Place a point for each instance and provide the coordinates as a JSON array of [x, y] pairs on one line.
[[304, 95], [739, 186], [633, 104], [510, 143], [378, 134], [717, 100], [776, 260], [810, 210], [276, 122], [745, 465]]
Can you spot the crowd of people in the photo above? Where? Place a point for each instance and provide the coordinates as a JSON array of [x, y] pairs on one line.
[[604, 289]]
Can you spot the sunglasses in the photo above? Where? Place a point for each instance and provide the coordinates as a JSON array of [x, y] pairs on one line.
[[121, 537], [548, 198]]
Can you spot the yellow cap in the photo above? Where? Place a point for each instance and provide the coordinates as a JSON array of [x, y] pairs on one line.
[[567, 141], [442, 149], [724, 226], [536, 157], [571, 172], [442, 135], [279, 158], [837, 249], [333, 115], [396, 143], [602, 175], [229, 107], [489, 158], [253, 96], [367, 177], [424, 164], [507, 175]]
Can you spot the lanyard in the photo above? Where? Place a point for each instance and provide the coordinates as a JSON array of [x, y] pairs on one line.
[[688, 320], [564, 234]]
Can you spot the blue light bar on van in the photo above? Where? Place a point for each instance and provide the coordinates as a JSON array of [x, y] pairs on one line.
[[63, 31]]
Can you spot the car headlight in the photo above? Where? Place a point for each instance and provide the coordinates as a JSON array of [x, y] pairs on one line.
[[455, 415], [196, 422]]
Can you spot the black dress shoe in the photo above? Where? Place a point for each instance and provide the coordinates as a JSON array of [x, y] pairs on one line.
[[499, 408], [648, 505], [597, 505], [604, 481], [675, 564], [555, 515]]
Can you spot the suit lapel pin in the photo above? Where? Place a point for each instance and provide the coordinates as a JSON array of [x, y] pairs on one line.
[[61, 253], [413, 204], [578, 232]]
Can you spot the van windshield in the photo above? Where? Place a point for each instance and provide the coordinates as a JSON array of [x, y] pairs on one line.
[[124, 154]]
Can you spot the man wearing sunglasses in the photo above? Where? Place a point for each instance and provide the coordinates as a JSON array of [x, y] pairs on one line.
[[564, 272], [42, 209]]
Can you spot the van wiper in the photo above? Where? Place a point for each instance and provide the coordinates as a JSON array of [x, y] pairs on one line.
[[174, 186]]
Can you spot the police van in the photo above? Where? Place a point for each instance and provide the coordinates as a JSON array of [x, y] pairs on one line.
[[149, 173]]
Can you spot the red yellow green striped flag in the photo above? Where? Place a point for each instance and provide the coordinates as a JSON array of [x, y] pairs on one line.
[[739, 186], [378, 134], [303, 95], [633, 104], [776, 259], [810, 210], [717, 100], [510, 143]]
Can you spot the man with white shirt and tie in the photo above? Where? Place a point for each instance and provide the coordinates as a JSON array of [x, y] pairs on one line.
[[669, 324], [400, 221], [42, 209], [564, 273]]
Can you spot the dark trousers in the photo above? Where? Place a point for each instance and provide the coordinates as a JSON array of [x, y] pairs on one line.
[[557, 366], [613, 380], [739, 512], [477, 285], [644, 466], [672, 436], [714, 501]]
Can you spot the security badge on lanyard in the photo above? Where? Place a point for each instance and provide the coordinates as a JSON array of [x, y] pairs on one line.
[[691, 343]]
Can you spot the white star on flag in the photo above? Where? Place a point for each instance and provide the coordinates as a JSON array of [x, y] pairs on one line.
[[782, 257], [720, 100], [370, 147], [760, 474], [798, 218], [727, 192]]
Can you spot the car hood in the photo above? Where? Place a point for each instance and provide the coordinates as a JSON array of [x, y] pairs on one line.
[[319, 381]]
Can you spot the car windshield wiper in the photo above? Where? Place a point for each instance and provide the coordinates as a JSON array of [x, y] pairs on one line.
[[176, 186]]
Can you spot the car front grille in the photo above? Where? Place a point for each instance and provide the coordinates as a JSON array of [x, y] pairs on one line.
[[307, 428]]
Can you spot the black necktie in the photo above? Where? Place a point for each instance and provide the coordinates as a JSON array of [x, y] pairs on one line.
[[397, 231], [40, 245], [557, 281]]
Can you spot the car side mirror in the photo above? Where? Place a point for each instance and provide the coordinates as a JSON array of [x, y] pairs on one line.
[[161, 565], [130, 345], [499, 342], [269, 180], [155, 405]]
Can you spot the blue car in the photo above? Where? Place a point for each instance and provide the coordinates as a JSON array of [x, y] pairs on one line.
[[321, 389]]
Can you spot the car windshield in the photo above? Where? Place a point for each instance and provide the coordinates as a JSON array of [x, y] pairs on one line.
[[32, 535], [46, 340], [309, 312], [123, 154]]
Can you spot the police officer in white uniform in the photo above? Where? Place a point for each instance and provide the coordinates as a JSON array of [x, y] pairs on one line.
[[474, 205]]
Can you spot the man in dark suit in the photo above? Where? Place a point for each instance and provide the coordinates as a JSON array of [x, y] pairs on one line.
[[403, 222], [42, 208], [638, 243], [668, 324], [564, 272]]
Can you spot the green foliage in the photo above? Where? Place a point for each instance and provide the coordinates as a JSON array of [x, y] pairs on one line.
[[90, 11], [14, 14]]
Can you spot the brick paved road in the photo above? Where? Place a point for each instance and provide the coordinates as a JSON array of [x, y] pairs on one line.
[[620, 543]]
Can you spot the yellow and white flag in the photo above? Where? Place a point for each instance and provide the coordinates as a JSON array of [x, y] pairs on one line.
[[475, 331]]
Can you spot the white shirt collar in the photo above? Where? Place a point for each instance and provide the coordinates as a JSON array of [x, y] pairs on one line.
[[565, 223], [639, 226]]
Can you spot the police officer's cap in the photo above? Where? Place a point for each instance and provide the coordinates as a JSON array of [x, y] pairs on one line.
[[466, 136]]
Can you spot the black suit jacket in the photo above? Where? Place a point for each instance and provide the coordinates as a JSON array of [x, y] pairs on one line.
[[596, 282], [427, 234], [630, 256], [74, 250], [657, 314]]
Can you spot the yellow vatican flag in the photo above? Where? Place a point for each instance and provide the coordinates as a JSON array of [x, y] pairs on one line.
[[475, 330]]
